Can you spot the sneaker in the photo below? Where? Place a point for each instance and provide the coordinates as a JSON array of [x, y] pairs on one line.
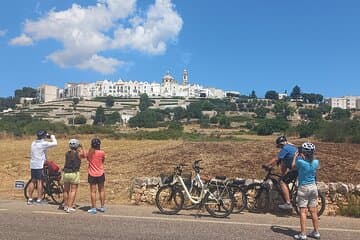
[[314, 234], [286, 206], [300, 236], [70, 210], [41, 202], [102, 209], [30, 201], [65, 208], [92, 210]]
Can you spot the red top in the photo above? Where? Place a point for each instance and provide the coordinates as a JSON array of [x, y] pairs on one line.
[[96, 162]]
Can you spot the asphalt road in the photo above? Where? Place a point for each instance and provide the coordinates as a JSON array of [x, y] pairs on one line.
[[19, 221]]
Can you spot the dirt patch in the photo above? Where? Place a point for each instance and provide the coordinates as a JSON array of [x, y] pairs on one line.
[[128, 159]]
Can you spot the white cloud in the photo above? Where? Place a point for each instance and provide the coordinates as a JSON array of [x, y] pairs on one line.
[[150, 35], [3, 32], [85, 32], [22, 40]]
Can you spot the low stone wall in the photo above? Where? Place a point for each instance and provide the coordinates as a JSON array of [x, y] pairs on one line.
[[143, 191]]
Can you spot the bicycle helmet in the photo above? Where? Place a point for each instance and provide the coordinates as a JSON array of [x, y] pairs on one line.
[[280, 140], [308, 148], [95, 143], [41, 134], [74, 143]]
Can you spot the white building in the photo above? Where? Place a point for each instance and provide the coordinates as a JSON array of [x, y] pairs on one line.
[[346, 102], [47, 93], [169, 87]]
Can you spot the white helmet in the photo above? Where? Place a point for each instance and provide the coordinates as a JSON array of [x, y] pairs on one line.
[[74, 143], [308, 148]]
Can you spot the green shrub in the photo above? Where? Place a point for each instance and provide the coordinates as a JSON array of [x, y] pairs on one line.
[[351, 208]]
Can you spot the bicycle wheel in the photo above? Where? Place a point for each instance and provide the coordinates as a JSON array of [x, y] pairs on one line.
[[56, 192], [321, 204], [169, 200], [257, 198], [219, 202], [240, 200], [26, 190], [195, 193]]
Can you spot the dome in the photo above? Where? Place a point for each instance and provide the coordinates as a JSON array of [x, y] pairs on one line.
[[167, 78]]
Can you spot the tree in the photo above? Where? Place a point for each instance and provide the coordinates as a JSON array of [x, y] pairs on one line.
[[339, 113], [145, 102], [113, 118], [261, 112], [224, 122], [271, 94], [253, 94], [312, 98], [283, 110], [296, 92], [109, 101], [99, 116]]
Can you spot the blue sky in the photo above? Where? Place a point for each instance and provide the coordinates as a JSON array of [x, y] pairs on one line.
[[232, 44]]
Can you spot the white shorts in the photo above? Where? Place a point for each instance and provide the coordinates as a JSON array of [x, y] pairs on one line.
[[307, 196]]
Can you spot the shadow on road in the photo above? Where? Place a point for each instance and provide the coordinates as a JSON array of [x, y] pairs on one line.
[[284, 230]]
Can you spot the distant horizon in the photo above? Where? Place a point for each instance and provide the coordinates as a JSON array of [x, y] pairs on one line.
[[235, 46]]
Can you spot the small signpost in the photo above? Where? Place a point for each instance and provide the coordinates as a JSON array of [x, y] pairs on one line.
[[19, 184]]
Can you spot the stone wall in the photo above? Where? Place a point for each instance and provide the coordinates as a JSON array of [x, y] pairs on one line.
[[143, 191]]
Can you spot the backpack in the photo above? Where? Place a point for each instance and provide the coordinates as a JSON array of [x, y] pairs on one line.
[[52, 167]]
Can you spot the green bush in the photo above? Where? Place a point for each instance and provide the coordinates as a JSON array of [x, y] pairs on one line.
[[351, 208]]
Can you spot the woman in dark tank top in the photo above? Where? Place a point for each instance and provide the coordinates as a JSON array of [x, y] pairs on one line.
[[71, 176]]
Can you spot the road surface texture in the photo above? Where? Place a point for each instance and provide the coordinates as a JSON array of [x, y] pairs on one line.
[[20, 221]]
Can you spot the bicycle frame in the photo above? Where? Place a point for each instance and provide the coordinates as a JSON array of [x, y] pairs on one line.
[[179, 179]]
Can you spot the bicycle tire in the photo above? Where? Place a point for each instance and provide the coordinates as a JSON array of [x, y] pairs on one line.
[[56, 191], [320, 206], [26, 190], [219, 202], [169, 200], [240, 199], [257, 198]]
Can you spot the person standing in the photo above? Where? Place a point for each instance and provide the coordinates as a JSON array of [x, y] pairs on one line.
[[307, 196], [37, 159], [285, 158], [96, 175], [71, 176]]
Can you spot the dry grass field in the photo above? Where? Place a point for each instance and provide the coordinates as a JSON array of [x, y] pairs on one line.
[[127, 159]]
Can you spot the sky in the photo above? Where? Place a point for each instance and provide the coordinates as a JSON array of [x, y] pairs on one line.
[[235, 45]]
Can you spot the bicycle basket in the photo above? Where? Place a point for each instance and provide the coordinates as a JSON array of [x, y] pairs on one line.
[[166, 178]]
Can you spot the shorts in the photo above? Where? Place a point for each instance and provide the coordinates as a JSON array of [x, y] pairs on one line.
[[307, 196], [96, 180], [37, 174], [289, 177], [72, 178]]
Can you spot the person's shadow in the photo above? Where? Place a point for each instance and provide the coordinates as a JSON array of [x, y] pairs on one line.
[[284, 230]]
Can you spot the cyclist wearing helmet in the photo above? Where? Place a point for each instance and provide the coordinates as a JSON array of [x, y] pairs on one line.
[[37, 160], [96, 176], [71, 177], [285, 158], [307, 167]]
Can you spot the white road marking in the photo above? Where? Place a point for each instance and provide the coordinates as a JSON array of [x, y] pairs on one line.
[[49, 212], [225, 222], [1, 209]]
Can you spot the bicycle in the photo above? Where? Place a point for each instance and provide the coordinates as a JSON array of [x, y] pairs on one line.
[[216, 197], [258, 194], [51, 187]]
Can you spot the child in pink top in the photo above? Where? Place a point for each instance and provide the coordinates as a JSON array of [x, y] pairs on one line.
[[96, 175]]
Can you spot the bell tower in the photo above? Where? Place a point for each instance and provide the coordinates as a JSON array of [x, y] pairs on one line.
[[185, 77]]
